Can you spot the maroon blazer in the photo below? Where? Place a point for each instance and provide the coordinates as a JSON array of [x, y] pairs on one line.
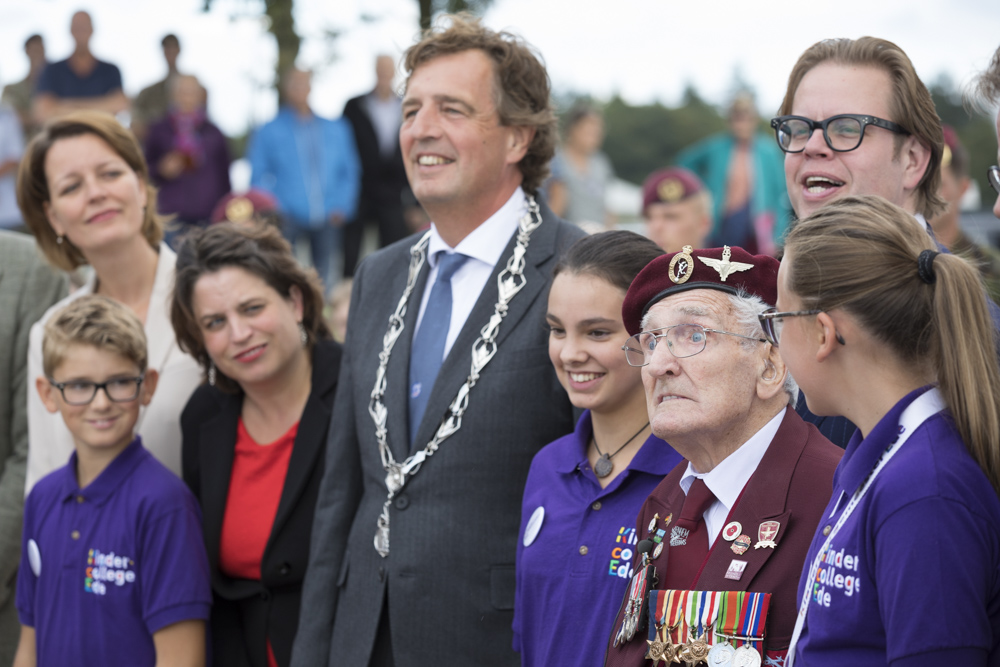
[[792, 485]]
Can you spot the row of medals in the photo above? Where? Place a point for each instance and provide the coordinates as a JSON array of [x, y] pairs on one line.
[[697, 651]]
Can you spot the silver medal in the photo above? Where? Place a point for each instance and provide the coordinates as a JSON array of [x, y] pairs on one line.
[[745, 656], [721, 654]]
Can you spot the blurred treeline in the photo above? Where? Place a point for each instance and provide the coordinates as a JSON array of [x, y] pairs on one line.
[[641, 139]]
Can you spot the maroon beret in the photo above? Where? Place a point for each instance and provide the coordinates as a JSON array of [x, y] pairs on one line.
[[670, 186], [240, 208], [725, 269]]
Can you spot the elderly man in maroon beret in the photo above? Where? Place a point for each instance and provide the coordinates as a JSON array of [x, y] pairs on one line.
[[726, 532]]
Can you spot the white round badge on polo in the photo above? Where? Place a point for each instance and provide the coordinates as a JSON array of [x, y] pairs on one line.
[[35, 558], [534, 525]]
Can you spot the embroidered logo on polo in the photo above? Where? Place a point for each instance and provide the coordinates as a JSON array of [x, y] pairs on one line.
[[837, 572], [622, 551], [107, 569]]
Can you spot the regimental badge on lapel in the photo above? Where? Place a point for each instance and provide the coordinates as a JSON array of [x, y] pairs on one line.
[[678, 536], [681, 266], [724, 267], [766, 533]]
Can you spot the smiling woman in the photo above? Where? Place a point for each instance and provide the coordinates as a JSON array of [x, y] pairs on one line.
[[254, 435], [83, 187]]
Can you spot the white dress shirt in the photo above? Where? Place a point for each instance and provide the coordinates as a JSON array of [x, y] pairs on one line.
[[484, 247], [726, 480]]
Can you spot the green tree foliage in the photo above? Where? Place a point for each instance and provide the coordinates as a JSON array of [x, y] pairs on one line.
[[281, 24], [641, 139]]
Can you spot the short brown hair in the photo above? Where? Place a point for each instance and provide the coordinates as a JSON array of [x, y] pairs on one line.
[[521, 85], [96, 321], [910, 103], [259, 250], [860, 254], [33, 185]]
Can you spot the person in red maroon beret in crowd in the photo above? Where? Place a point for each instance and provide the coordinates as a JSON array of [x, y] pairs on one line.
[[738, 515], [677, 209], [252, 207]]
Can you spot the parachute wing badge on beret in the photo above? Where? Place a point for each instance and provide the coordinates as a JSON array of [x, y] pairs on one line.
[[724, 267]]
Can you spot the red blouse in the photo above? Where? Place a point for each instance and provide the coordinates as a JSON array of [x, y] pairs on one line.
[[254, 492]]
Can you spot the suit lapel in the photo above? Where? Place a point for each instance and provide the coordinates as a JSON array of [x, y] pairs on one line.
[[763, 500], [218, 448], [455, 369]]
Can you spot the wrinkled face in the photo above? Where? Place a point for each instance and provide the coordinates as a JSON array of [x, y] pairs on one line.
[[819, 175], [454, 148], [673, 226], [95, 199], [102, 424], [250, 331], [707, 397], [585, 338]]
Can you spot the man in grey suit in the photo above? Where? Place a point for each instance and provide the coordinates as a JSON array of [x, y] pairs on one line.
[[413, 544], [28, 287]]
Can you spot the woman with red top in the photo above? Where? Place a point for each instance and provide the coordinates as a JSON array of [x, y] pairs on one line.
[[254, 435]]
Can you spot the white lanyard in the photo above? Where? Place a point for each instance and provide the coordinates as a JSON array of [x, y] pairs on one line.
[[916, 413]]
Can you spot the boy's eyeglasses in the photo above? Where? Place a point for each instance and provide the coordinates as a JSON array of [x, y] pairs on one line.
[[843, 132], [82, 392]]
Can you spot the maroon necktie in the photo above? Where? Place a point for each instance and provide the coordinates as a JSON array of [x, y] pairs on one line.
[[685, 560]]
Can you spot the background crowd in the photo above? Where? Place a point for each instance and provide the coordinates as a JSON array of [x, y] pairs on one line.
[[255, 380]]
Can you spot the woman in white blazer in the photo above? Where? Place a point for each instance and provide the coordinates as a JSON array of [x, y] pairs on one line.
[[84, 190]]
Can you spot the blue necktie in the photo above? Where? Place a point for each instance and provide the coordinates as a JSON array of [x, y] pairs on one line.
[[427, 352]]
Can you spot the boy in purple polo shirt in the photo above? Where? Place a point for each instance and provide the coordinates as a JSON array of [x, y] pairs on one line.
[[113, 568]]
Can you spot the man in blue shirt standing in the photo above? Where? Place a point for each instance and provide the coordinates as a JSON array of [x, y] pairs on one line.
[[310, 164], [79, 82]]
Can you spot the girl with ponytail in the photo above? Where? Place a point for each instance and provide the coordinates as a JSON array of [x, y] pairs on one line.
[[877, 326]]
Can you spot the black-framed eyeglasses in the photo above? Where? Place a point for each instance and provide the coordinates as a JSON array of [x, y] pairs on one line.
[[82, 392], [683, 340], [772, 322], [842, 132], [993, 174]]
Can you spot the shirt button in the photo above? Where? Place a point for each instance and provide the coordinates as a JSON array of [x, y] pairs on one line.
[[75, 534], [79, 499], [402, 502], [583, 550], [597, 505], [826, 531], [285, 569]]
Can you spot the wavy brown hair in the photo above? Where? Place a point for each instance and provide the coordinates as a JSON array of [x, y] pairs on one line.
[[986, 86], [910, 103], [522, 88], [33, 185], [261, 251], [860, 254]]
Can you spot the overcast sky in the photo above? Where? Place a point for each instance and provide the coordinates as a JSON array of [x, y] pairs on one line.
[[644, 50]]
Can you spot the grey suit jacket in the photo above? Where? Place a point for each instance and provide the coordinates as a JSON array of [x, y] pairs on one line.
[[449, 578], [28, 287]]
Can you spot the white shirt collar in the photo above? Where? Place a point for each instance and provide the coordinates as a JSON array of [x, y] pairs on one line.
[[486, 242], [727, 479]]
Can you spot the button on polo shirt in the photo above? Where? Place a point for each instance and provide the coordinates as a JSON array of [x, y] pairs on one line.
[[116, 562]]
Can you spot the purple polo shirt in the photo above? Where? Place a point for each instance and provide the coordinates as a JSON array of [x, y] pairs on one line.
[[104, 567], [913, 576], [571, 579]]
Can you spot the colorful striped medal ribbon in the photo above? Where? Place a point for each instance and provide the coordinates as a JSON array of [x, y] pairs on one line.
[[633, 606], [696, 648], [747, 655]]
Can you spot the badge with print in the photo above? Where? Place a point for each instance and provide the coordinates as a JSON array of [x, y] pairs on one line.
[[735, 571], [652, 522], [534, 525], [732, 530], [681, 266], [658, 550], [678, 536], [766, 533], [35, 558], [741, 544]]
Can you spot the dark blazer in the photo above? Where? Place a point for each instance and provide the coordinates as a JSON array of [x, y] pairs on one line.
[[381, 176], [449, 576], [246, 613], [792, 485]]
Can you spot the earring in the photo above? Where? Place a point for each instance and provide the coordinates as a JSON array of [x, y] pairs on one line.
[[59, 239], [303, 336], [211, 373]]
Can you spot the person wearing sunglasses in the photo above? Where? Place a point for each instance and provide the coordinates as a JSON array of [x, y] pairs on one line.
[[877, 325], [738, 513]]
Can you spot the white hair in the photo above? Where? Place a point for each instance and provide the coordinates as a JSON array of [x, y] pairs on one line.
[[745, 309]]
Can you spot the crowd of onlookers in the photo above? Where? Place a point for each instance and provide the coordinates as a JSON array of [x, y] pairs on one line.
[[592, 448]]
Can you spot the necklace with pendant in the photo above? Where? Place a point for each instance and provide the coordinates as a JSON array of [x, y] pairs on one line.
[[510, 281], [604, 466]]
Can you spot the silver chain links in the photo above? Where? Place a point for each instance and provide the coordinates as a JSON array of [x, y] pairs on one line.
[[510, 281]]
